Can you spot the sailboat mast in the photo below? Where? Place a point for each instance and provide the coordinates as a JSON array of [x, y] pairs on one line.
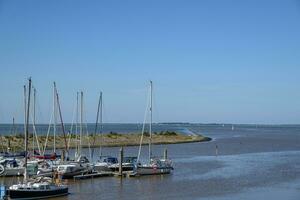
[[14, 130], [27, 129], [61, 120], [150, 128], [25, 109], [77, 122], [81, 121], [101, 123], [54, 117]]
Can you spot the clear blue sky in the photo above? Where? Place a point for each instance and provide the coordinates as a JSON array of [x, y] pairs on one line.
[[210, 61]]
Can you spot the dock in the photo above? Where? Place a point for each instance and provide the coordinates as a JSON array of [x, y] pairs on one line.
[[93, 175]]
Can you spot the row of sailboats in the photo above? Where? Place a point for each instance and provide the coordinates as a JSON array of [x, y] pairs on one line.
[[40, 165], [34, 188], [81, 164], [154, 165]]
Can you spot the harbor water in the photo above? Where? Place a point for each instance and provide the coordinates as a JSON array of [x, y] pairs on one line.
[[241, 162]]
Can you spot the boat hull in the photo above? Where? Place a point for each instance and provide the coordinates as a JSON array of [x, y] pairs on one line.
[[70, 175], [38, 194], [13, 172], [102, 168], [124, 168], [153, 170]]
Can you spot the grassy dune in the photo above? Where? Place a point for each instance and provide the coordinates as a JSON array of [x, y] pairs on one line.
[[107, 140]]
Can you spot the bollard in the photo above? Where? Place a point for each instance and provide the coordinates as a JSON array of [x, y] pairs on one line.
[[166, 154], [63, 155], [121, 162]]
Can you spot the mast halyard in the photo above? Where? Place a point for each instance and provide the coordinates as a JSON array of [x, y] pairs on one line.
[[150, 125], [27, 130], [99, 112], [34, 104]]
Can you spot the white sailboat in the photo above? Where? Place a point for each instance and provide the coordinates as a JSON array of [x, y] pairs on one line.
[[104, 162], [11, 167], [128, 164], [34, 188], [81, 165], [156, 165]]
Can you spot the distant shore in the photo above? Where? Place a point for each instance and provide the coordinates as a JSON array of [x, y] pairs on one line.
[[112, 139]]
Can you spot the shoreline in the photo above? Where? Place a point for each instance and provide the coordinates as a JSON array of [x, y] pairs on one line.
[[111, 139]]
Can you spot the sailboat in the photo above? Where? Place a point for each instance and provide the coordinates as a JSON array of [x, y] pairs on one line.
[[34, 188], [11, 162], [128, 164], [81, 165], [11, 167], [156, 165], [104, 162]]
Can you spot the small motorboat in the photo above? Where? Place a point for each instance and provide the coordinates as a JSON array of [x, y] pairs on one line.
[[73, 168], [104, 163], [128, 164], [40, 168]]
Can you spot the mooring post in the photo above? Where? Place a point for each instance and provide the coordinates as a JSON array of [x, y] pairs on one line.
[[217, 151], [8, 146], [121, 161], [166, 154], [63, 155]]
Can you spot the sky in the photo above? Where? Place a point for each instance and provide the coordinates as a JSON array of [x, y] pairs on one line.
[[211, 61]]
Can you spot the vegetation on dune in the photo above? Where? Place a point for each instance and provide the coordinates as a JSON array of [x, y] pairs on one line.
[[107, 139]]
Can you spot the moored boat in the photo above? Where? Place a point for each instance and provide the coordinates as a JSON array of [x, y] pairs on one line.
[[155, 166], [104, 163], [11, 167], [128, 164], [36, 188], [73, 168]]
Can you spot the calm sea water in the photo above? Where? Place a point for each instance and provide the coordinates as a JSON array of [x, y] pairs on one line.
[[42, 129], [254, 162]]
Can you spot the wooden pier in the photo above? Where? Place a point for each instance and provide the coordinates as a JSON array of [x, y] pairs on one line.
[[93, 175]]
